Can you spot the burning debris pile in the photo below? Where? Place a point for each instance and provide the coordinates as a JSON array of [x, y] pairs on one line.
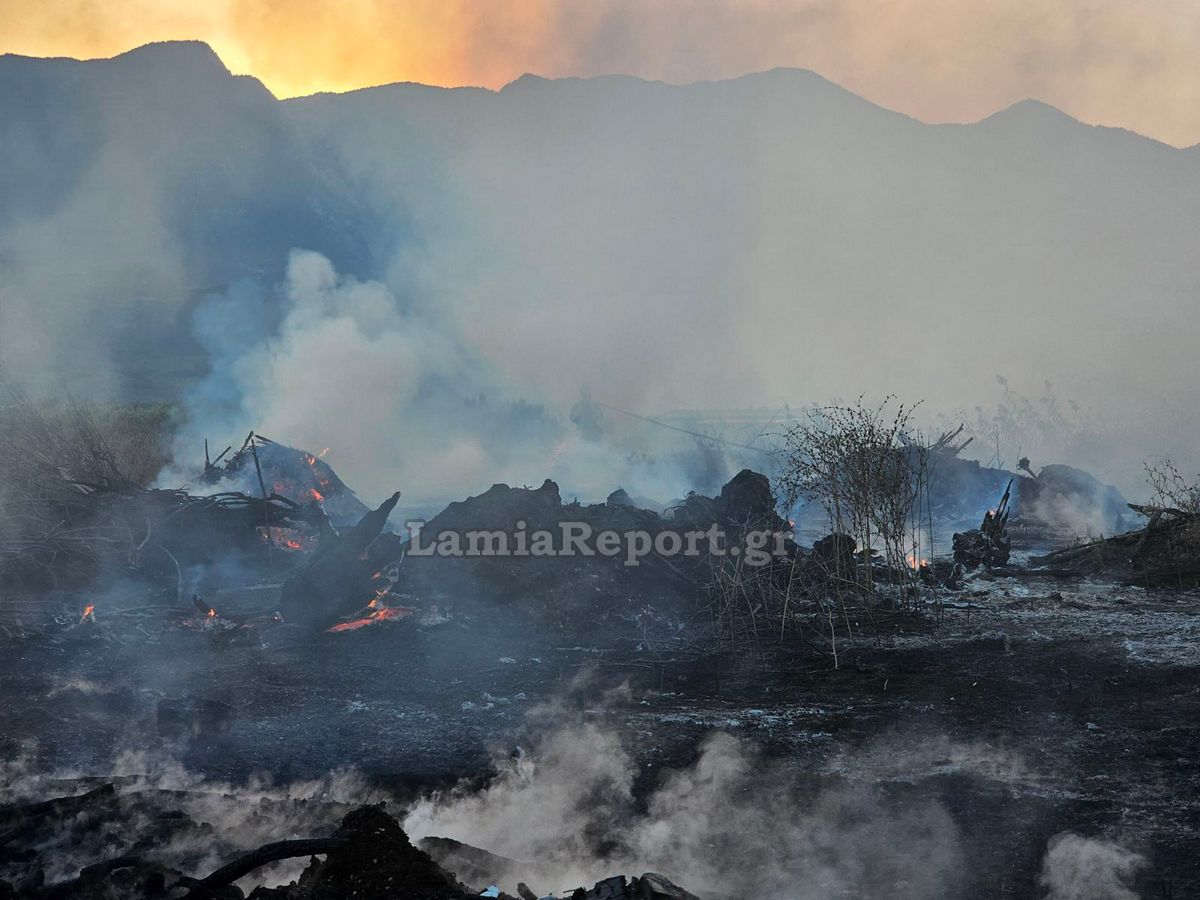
[[988, 545], [1053, 505], [274, 469], [344, 585], [105, 530], [74, 524], [1062, 500]]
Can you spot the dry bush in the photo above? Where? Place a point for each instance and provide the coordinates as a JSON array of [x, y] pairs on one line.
[[1172, 490], [867, 470], [52, 456], [1179, 497]]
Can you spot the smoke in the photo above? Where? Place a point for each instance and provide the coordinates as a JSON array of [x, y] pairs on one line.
[[729, 825], [345, 367], [110, 238], [488, 256], [758, 243], [399, 396], [1082, 868], [568, 808], [174, 816]]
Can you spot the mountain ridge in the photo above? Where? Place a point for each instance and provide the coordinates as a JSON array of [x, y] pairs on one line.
[[202, 56]]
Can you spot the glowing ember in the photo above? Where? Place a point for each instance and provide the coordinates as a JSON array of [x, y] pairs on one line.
[[380, 614], [317, 495], [290, 538], [212, 613]]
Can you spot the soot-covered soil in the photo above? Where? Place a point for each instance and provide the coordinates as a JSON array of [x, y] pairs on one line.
[[1024, 707]]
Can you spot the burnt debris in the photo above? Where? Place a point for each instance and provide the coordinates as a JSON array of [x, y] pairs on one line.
[[1165, 551], [368, 856], [343, 575], [988, 545]]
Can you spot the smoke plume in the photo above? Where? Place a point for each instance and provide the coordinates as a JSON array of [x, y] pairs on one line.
[[729, 825], [1082, 868]]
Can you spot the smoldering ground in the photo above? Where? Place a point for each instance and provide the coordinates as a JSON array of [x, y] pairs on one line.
[[172, 815], [566, 807], [729, 825]]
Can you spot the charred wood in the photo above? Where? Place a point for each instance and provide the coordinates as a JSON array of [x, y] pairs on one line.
[[337, 580], [29, 818], [1165, 551], [269, 853], [988, 545]]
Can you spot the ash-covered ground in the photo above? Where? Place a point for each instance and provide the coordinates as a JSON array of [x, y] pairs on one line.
[[1021, 732], [233, 695]]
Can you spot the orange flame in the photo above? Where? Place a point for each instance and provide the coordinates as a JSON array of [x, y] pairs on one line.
[[380, 614], [317, 495], [915, 562], [89, 613]]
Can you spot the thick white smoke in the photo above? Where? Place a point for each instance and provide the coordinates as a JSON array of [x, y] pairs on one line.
[[345, 368], [1083, 868], [401, 399], [232, 818], [766, 240], [731, 824]]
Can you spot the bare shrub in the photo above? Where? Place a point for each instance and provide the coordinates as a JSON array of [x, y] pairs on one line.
[[868, 471], [1177, 497], [51, 457], [1171, 489]]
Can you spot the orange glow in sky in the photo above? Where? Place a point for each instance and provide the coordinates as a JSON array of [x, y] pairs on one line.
[[1111, 62]]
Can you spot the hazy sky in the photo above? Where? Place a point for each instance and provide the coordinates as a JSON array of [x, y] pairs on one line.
[[1130, 63]]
